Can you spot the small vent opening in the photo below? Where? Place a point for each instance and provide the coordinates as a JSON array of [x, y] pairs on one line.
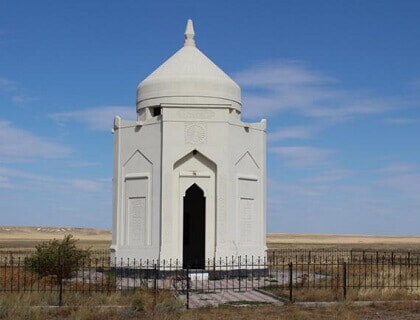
[[156, 111]]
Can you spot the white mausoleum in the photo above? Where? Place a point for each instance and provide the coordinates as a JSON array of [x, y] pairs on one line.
[[189, 175]]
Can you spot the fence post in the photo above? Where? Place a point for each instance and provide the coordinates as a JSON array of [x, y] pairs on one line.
[[188, 288], [344, 280], [290, 281], [155, 277], [60, 283], [155, 286]]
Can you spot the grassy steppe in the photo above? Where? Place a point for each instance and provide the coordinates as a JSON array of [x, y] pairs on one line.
[[27, 237]]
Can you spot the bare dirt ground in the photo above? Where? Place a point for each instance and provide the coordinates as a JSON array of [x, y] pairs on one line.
[[12, 237]]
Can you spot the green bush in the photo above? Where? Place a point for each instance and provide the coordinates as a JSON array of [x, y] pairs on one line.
[[60, 258]]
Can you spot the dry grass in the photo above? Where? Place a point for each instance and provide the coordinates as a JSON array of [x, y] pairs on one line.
[[336, 294], [365, 282], [343, 311], [128, 305], [23, 238], [28, 237], [313, 241], [143, 305]]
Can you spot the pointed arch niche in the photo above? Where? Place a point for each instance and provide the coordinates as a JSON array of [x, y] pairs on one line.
[[195, 169]]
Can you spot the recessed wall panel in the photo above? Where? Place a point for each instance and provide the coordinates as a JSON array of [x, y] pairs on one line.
[[247, 195], [137, 212]]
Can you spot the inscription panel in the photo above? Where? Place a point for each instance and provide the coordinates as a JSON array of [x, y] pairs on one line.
[[246, 222], [137, 213], [137, 221], [247, 219], [196, 114]]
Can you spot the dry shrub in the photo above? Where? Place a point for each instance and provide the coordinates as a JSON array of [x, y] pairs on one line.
[[20, 279]]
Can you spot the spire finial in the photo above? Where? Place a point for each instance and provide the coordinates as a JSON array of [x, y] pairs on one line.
[[189, 34]]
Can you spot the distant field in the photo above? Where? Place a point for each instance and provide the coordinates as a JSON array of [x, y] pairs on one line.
[[28, 237], [308, 241]]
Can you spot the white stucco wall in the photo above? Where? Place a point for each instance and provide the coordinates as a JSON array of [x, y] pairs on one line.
[[137, 175], [157, 161]]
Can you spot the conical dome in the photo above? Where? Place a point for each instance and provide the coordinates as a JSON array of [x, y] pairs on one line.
[[188, 77]]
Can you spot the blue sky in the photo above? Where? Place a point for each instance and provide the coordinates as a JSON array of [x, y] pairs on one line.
[[338, 81]]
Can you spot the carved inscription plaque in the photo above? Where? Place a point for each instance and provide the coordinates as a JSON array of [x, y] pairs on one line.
[[196, 114], [246, 220], [137, 220]]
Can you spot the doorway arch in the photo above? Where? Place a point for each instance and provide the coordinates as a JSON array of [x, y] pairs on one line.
[[194, 228]]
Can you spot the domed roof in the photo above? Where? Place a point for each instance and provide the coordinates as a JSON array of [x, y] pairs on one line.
[[188, 77]]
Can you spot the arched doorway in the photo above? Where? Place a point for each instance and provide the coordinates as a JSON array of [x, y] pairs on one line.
[[194, 242]]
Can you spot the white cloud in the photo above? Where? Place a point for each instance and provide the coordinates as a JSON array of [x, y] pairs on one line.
[[401, 121], [5, 183], [280, 73], [346, 109], [294, 188], [21, 99], [293, 87], [396, 168], [81, 164], [415, 84], [45, 181], [401, 177], [13, 173], [18, 144], [301, 156], [88, 185], [292, 132], [96, 118], [7, 85], [330, 176], [407, 184]]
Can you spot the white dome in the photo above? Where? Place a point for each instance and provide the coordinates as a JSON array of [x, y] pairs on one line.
[[188, 77]]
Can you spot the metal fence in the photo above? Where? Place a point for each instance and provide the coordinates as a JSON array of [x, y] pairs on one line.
[[278, 275], [350, 255], [294, 255]]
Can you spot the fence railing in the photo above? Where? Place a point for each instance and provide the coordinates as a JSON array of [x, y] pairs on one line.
[[229, 274], [294, 255], [349, 255]]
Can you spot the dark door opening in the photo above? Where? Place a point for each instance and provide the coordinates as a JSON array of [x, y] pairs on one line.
[[194, 241]]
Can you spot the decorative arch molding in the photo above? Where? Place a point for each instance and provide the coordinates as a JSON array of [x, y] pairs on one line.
[[202, 158], [245, 156], [137, 153]]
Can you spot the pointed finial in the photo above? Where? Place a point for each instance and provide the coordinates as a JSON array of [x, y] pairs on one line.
[[189, 34]]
